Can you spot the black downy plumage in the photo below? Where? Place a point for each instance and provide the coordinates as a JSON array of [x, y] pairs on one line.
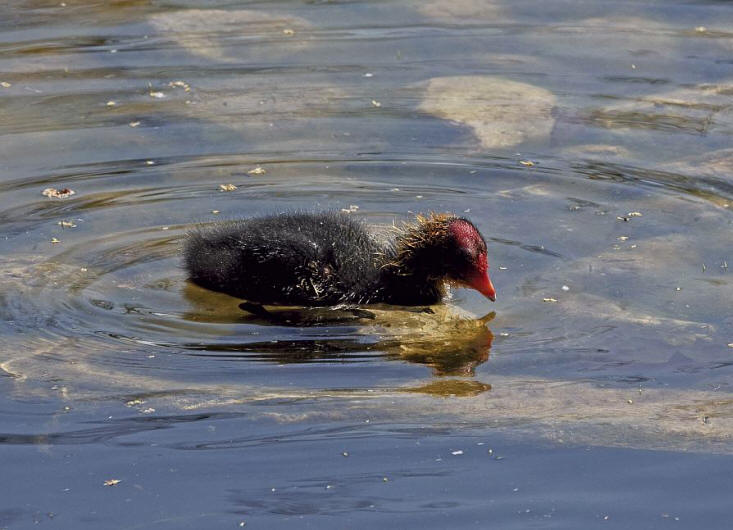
[[324, 259]]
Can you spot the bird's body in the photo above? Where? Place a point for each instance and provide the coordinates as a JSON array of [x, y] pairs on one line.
[[323, 259]]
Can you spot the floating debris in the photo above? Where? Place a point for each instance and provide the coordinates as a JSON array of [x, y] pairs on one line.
[[456, 453], [148, 410], [215, 212], [134, 124], [227, 187], [701, 29], [376, 103], [527, 163], [156, 94], [345, 453], [66, 224], [551, 300], [565, 288], [180, 84], [5, 84], [54, 240], [134, 402], [351, 209], [257, 171], [289, 32], [368, 74], [628, 216], [149, 163], [622, 238], [503, 268], [53, 193], [111, 103], [112, 482]]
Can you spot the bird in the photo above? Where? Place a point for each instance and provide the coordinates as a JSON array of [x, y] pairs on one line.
[[332, 258]]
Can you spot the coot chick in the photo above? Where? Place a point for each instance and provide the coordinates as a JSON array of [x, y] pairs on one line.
[[323, 259]]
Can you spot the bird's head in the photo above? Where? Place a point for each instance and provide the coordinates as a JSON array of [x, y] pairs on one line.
[[466, 260]]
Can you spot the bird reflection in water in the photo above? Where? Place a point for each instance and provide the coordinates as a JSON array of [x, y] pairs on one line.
[[449, 342]]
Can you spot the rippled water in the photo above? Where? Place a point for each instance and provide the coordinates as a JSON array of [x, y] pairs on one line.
[[591, 143]]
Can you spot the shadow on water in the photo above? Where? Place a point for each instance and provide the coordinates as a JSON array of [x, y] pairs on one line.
[[451, 344]]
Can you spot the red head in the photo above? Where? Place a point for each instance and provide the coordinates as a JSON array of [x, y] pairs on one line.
[[468, 261]]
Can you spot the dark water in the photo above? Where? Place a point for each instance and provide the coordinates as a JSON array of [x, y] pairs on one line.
[[591, 143]]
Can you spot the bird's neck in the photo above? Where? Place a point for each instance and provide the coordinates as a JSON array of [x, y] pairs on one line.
[[412, 271]]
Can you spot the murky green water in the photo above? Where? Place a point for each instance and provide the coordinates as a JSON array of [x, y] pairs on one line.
[[591, 143]]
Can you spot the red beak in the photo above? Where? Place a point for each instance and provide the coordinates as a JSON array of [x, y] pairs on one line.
[[482, 283]]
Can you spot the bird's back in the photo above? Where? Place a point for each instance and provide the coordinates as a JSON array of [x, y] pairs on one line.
[[297, 258]]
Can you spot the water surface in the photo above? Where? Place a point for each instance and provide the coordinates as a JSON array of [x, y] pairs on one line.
[[589, 141]]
